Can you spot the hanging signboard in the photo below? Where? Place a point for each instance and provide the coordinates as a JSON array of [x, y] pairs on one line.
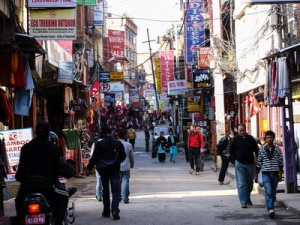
[[201, 78], [65, 72]]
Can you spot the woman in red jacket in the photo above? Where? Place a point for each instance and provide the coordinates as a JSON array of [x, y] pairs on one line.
[[195, 146]]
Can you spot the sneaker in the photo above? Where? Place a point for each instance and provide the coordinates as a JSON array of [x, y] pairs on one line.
[[126, 201], [116, 216], [99, 199], [249, 202], [191, 171], [197, 173], [272, 213], [243, 206], [224, 183]]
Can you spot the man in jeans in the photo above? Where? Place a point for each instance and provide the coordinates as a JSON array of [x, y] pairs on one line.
[[109, 149], [125, 167], [242, 151], [270, 163]]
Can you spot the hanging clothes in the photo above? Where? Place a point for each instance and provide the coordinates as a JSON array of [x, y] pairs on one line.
[[71, 138], [19, 75], [283, 88], [23, 96], [273, 86], [6, 111]]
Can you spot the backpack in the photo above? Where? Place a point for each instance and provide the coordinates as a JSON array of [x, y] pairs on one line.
[[222, 144]]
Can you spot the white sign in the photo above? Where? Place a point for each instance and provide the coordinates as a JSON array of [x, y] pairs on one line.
[[149, 94], [116, 87], [104, 87], [51, 4], [53, 24], [14, 141], [176, 87]]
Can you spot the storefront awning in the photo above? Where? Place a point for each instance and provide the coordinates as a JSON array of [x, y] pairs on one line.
[[284, 50], [29, 43]]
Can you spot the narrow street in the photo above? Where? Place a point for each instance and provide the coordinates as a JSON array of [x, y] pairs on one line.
[[167, 194]]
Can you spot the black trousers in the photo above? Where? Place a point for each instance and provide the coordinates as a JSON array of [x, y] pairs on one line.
[[224, 167]]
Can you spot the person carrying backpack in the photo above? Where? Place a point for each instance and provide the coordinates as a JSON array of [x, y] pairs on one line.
[[223, 148], [195, 147]]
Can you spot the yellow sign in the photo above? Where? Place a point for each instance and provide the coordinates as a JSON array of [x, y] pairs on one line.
[[116, 76], [193, 107], [158, 76]]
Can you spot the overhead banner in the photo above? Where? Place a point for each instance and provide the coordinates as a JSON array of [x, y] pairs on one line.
[[53, 24]]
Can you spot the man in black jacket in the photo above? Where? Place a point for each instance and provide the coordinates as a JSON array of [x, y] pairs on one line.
[[38, 168], [242, 152], [106, 151]]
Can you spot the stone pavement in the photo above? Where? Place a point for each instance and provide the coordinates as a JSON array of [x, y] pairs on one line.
[[291, 201]]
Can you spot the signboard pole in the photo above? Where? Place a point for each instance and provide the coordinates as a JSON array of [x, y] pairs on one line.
[[152, 67]]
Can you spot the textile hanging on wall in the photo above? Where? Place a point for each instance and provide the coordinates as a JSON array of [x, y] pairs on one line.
[[71, 138], [23, 96]]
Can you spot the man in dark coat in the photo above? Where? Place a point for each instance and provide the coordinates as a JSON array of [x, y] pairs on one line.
[[38, 167], [109, 150]]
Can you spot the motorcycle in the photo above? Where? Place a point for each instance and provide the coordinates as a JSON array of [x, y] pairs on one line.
[[39, 210]]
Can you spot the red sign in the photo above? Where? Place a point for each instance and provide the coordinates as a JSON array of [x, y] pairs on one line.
[[116, 45], [166, 68]]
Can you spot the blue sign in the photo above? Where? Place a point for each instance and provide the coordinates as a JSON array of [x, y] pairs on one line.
[[194, 30], [65, 72], [104, 77]]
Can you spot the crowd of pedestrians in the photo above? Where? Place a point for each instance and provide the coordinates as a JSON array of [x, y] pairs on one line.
[[239, 148]]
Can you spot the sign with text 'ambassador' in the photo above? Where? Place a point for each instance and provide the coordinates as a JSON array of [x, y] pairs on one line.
[[53, 24]]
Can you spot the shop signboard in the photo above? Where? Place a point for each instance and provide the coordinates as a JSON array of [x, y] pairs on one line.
[[201, 78], [14, 141], [194, 29], [177, 87], [99, 14], [53, 24], [51, 4], [65, 72], [104, 76]]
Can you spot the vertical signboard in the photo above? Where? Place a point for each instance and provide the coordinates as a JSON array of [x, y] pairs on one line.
[[98, 14], [194, 30], [158, 76], [116, 44], [166, 68]]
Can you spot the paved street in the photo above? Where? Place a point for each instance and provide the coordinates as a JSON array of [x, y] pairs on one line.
[[164, 193]]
